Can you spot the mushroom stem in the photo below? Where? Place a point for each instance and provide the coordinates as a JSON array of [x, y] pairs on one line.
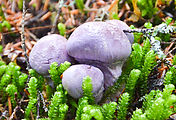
[[115, 72], [111, 71]]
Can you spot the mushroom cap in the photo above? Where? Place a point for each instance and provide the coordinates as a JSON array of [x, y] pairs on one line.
[[98, 41], [50, 48], [73, 77], [122, 25]]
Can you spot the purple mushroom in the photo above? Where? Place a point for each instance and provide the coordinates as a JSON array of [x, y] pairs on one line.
[[50, 48], [102, 45], [123, 26], [73, 77]]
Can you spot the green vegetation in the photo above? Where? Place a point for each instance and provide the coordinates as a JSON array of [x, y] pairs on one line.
[[87, 89], [32, 88], [80, 4], [62, 29], [146, 6], [56, 72], [58, 107], [5, 24], [123, 106], [156, 105], [146, 89]]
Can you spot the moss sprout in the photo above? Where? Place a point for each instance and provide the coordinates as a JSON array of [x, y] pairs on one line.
[[157, 105], [58, 107], [56, 71], [123, 106], [32, 88], [11, 90], [62, 29], [87, 89], [131, 82]]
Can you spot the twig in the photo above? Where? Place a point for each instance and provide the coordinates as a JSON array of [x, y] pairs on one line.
[[34, 28], [167, 43], [121, 2], [169, 47], [36, 18], [44, 104], [10, 106], [172, 40], [55, 21], [13, 6], [139, 30], [14, 111], [46, 5], [4, 115], [46, 16], [57, 17], [32, 35], [171, 51], [23, 37], [91, 10], [32, 116], [38, 105], [87, 3]]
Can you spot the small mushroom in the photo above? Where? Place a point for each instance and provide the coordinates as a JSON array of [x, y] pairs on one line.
[[122, 25], [50, 48], [73, 77], [102, 45]]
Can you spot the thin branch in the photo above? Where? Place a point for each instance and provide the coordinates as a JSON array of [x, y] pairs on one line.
[[38, 105], [14, 112], [10, 106], [33, 28], [36, 18], [139, 30], [4, 115], [171, 50], [61, 3], [43, 100], [87, 3], [32, 35], [23, 37], [55, 21]]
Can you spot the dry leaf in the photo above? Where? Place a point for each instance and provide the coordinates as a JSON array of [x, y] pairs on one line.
[[136, 9], [113, 9], [46, 16], [133, 18]]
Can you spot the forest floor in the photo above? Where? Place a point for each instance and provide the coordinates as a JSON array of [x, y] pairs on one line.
[[41, 17]]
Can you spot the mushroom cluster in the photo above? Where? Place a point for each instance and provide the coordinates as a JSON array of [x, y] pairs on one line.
[[103, 45], [99, 48]]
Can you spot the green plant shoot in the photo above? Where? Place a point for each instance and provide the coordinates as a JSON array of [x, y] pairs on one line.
[[88, 88], [80, 4], [62, 29], [123, 106], [131, 83]]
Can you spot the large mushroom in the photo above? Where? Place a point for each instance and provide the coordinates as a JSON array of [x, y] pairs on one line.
[[50, 48], [73, 77], [102, 45]]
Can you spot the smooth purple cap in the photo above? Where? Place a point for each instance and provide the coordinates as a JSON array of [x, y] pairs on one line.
[[98, 41], [73, 77], [50, 48]]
